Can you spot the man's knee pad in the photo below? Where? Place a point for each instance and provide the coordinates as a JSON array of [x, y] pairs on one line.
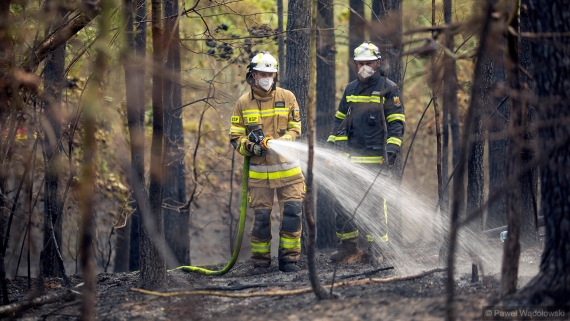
[[261, 224], [291, 216]]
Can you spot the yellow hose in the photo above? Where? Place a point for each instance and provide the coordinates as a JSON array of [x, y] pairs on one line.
[[241, 227]]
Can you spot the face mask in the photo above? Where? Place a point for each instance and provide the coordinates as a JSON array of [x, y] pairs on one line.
[[366, 71], [265, 83]]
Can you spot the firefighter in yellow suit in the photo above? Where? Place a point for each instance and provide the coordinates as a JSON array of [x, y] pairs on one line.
[[275, 110]]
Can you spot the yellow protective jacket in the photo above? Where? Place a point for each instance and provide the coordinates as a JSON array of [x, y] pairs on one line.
[[278, 113]]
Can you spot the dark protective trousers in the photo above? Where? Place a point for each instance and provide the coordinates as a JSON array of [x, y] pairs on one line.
[[290, 204]]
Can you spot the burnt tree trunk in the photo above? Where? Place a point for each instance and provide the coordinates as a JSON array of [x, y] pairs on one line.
[[498, 142], [137, 131], [5, 88], [449, 102], [552, 89], [153, 266], [176, 222], [356, 27], [386, 32], [529, 230], [296, 77], [280, 37], [326, 103], [53, 78]]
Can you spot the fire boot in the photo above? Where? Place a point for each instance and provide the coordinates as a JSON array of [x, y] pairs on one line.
[[344, 249], [375, 253], [288, 267], [260, 269]]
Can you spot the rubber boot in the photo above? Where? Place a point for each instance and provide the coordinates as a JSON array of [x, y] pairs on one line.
[[260, 269], [375, 254], [345, 249], [288, 267]]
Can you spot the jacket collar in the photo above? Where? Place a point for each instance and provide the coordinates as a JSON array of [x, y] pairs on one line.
[[261, 95]]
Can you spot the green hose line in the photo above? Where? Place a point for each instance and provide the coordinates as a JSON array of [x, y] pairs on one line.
[[241, 227]]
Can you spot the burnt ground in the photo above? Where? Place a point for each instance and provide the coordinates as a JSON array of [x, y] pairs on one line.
[[421, 298]]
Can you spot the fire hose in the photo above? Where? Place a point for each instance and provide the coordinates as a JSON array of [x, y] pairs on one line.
[[241, 227]]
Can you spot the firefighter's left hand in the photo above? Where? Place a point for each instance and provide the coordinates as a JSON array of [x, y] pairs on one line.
[[391, 159]]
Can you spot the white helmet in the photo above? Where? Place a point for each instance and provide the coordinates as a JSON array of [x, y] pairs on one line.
[[264, 61], [367, 51]]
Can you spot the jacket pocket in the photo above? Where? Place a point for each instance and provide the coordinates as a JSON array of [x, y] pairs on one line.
[[282, 123], [373, 129]]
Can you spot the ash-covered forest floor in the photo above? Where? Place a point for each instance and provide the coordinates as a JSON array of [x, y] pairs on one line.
[[421, 298]]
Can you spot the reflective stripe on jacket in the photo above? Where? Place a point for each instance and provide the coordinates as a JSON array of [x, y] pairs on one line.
[[278, 114], [358, 119]]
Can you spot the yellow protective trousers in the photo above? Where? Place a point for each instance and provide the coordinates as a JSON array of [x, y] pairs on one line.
[[290, 199]]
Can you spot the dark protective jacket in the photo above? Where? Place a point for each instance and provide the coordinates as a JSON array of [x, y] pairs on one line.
[[368, 128]]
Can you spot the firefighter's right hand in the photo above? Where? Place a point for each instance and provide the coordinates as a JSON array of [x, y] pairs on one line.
[[341, 145], [259, 150]]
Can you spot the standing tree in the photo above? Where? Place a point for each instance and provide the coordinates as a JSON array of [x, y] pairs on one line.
[[356, 27], [280, 37], [137, 132], [552, 89], [296, 77], [386, 32], [153, 267], [92, 102], [176, 222], [53, 208], [5, 88], [497, 108], [326, 106], [529, 181], [127, 248]]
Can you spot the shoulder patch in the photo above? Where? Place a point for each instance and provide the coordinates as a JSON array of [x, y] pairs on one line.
[[397, 101], [235, 119], [296, 115], [279, 104]]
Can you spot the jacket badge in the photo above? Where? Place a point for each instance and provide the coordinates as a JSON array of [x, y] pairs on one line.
[[397, 101], [296, 115]]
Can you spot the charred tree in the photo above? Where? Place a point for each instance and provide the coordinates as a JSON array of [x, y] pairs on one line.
[[386, 32], [296, 78], [326, 103], [552, 89], [176, 222], [356, 27], [498, 142], [137, 131], [529, 181], [92, 102], [5, 89], [53, 79], [153, 266], [280, 37], [135, 117], [449, 117]]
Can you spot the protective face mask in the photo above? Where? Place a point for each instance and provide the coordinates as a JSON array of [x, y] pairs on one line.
[[265, 83], [366, 71]]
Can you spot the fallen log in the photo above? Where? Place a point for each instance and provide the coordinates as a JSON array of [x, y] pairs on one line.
[[11, 310]]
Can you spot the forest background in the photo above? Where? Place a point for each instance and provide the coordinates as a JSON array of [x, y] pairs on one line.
[[46, 133]]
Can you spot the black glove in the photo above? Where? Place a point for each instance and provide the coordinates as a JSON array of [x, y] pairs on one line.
[[392, 159], [392, 152], [255, 149], [259, 150], [341, 145]]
